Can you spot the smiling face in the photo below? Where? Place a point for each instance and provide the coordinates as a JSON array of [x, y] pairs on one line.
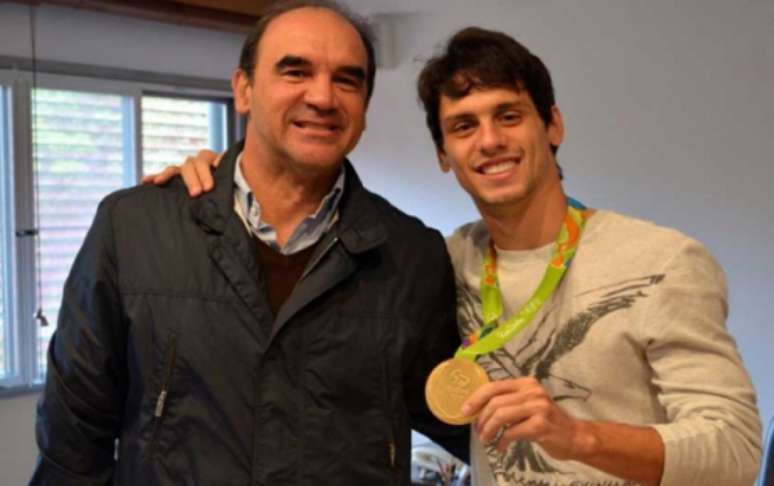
[[307, 96], [499, 147]]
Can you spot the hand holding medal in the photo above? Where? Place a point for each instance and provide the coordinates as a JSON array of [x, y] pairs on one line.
[[452, 382]]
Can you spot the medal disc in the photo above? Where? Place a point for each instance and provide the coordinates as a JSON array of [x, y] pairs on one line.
[[449, 385]]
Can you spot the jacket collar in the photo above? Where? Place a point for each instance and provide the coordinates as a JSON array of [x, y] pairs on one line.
[[213, 209], [360, 227]]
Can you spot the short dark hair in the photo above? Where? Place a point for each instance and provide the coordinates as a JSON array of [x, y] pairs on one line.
[[477, 58], [247, 58]]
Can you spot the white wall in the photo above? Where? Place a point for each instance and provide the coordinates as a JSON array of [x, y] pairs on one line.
[[667, 107], [82, 36], [18, 451], [669, 116]]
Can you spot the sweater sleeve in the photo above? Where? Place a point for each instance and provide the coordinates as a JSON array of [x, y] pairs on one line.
[[712, 434], [78, 415]]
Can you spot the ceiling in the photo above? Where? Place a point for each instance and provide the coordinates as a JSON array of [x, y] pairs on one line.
[[228, 15]]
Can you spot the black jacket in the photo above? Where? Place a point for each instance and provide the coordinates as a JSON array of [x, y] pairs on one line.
[[166, 343]]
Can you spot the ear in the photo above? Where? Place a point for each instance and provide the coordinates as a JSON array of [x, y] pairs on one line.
[[443, 160], [556, 128], [242, 90]]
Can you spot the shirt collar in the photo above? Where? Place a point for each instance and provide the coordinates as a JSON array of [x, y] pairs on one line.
[[306, 234]]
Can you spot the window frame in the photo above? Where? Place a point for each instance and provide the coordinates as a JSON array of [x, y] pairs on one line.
[[11, 377], [19, 187]]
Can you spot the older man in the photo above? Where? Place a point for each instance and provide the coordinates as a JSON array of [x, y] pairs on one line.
[[276, 331]]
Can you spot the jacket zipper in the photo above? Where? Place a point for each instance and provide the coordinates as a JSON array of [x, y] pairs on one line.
[[158, 411], [391, 446]]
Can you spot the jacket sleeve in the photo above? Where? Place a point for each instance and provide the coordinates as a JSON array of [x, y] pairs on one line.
[[439, 340], [78, 415], [712, 434]]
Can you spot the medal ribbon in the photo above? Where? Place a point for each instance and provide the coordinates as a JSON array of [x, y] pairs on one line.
[[493, 335]]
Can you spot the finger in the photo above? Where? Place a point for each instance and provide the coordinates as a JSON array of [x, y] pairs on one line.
[[528, 391], [150, 178], [191, 178], [206, 156], [217, 160], [496, 405], [504, 416], [530, 429], [164, 176], [204, 164], [485, 393], [203, 171], [512, 408]]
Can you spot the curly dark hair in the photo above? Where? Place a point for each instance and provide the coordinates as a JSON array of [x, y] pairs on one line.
[[476, 58]]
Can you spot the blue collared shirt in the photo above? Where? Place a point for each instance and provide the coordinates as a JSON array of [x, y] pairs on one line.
[[306, 234]]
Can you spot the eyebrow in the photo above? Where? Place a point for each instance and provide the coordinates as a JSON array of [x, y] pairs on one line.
[[298, 61], [501, 107], [354, 71], [510, 105], [457, 117], [291, 61]]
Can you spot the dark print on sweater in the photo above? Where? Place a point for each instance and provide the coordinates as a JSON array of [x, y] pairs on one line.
[[541, 345]]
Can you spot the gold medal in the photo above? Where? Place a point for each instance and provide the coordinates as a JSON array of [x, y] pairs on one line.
[[449, 385]]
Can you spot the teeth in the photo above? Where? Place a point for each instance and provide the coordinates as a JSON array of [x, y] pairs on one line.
[[498, 167], [316, 126]]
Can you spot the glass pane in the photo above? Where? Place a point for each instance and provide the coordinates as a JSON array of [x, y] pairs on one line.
[[5, 242], [80, 156], [174, 128]]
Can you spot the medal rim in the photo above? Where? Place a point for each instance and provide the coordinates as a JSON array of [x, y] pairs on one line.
[[431, 397]]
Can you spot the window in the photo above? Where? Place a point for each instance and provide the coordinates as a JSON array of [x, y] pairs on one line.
[[175, 128], [63, 147], [81, 154]]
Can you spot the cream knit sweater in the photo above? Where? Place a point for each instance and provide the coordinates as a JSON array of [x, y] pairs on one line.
[[635, 333]]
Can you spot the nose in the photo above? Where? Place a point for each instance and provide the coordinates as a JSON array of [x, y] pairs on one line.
[[320, 94], [491, 139]]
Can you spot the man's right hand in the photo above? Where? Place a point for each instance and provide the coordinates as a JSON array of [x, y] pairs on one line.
[[196, 172], [521, 409]]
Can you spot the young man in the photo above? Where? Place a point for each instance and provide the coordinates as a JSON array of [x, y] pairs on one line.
[[276, 331], [625, 374], [617, 368]]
